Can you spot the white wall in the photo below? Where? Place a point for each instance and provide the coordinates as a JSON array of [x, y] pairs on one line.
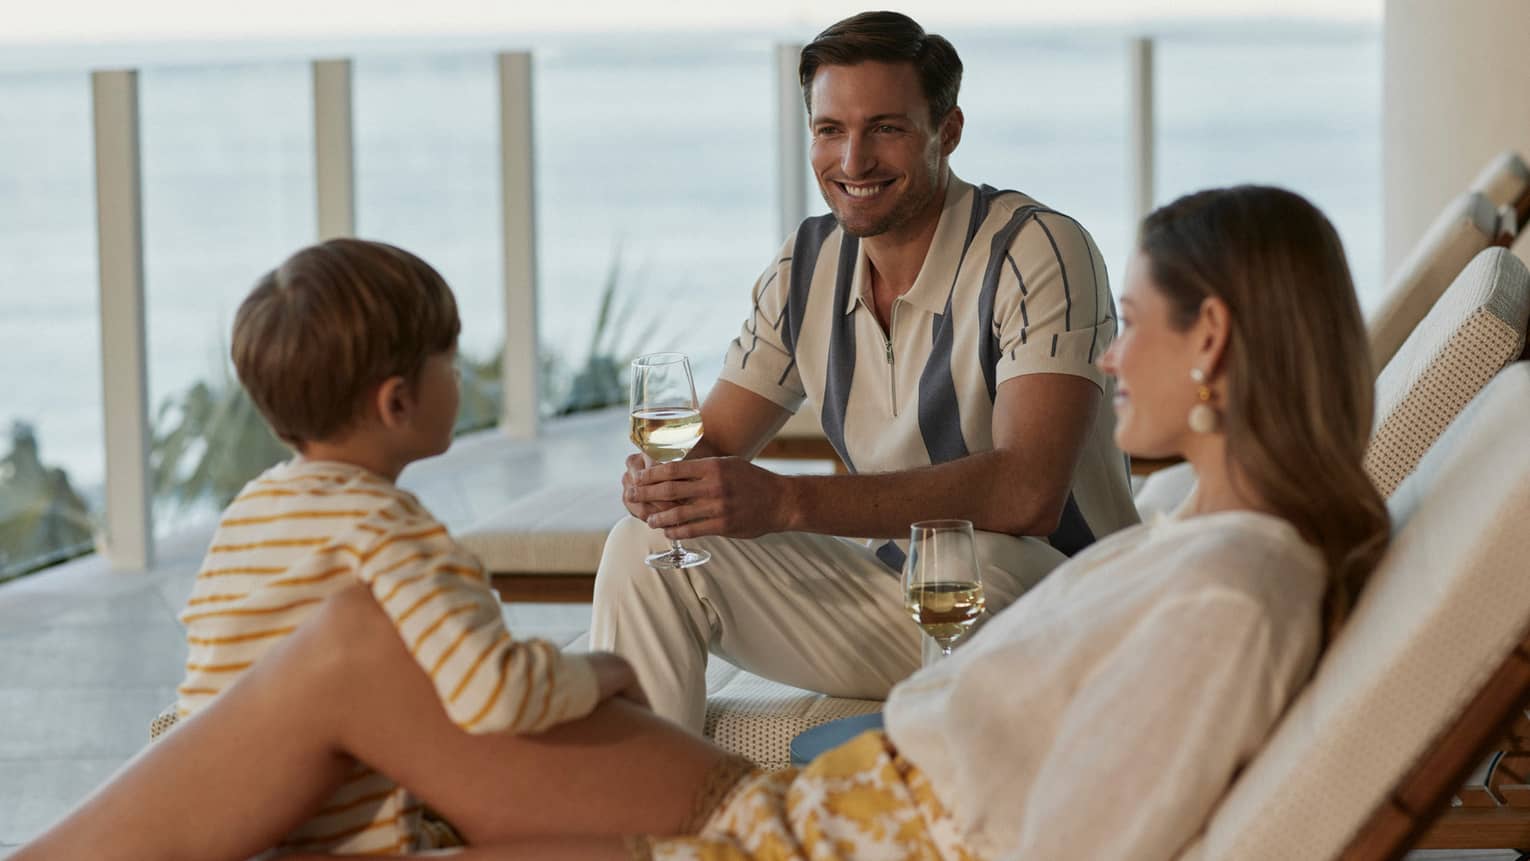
[[1456, 91]]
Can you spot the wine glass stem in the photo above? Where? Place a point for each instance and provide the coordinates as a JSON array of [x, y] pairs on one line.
[[676, 550]]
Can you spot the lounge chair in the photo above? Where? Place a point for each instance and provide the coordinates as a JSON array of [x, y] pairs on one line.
[[1505, 181], [1430, 667], [1463, 229]]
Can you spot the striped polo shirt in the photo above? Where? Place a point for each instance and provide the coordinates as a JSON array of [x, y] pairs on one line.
[[1009, 287]]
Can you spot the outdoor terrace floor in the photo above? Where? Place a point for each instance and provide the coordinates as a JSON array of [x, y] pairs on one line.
[[88, 656]]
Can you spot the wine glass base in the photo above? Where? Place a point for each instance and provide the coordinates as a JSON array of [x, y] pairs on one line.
[[672, 559]]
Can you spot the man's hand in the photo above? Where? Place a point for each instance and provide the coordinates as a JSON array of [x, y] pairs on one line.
[[726, 496], [614, 678], [636, 463]]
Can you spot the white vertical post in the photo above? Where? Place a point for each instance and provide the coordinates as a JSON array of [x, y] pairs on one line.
[[129, 538], [1140, 132], [334, 170], [518, 375], [791, 141]]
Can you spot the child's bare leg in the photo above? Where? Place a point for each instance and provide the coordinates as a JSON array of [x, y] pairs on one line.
[[236, 778]]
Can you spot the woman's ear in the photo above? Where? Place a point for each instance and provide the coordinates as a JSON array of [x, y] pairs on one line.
[[1211, 331], [394, 403]]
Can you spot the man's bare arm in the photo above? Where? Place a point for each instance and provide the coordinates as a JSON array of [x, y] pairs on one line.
[[738, 422], [1018, 488]]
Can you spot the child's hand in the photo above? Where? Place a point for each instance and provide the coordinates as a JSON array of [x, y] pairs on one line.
[[614, 678]]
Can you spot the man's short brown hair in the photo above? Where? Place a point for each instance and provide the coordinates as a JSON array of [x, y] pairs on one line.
[[887, 37], [319, 332]]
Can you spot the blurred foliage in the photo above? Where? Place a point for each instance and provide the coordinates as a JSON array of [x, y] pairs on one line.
[[208, 441], [42, 519], [597, 380]]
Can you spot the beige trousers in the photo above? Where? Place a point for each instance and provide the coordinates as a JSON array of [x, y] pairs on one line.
[[813, 611]]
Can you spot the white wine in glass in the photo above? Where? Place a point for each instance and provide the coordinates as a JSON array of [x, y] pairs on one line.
[[666, 425], [942, 589]]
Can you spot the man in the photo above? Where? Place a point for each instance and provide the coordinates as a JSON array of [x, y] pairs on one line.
[[945, 333]]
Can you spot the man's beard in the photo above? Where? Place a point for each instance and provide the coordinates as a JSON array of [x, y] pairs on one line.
[[904, 211]]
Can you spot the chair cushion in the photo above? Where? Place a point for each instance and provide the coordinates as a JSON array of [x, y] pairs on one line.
[[1461, 231], [1504, 180], [757, 718], [559, 529], [1475, 329], [1446, 605]]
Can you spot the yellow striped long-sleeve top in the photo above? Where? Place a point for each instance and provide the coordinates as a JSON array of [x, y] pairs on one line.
[[302, 531]]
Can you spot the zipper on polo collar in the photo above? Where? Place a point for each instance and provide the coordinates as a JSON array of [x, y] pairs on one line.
[[887, 344]]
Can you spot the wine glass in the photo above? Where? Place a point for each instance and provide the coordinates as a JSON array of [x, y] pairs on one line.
[[666, 425], [942, 589]]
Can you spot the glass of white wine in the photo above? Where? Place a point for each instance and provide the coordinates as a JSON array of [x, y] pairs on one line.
[[942, 588], [666, 425]]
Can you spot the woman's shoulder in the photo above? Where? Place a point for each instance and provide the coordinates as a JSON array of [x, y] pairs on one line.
[[1240, 552]]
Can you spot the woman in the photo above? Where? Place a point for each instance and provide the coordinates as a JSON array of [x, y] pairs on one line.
[[1101, 715]]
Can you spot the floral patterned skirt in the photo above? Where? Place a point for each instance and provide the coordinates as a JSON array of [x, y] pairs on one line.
[[857, 802]]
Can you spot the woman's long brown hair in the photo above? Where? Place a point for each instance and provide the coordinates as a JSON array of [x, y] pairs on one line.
[[1298, 400]]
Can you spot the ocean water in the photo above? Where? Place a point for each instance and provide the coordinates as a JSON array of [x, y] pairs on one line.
[[653, 156]]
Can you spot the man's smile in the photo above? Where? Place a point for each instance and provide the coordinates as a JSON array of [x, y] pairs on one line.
[[863, 190]]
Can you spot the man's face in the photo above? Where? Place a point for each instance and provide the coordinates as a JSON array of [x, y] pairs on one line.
[[878, 156]]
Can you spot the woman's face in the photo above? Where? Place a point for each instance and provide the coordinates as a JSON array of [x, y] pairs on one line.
[[1151, 362]]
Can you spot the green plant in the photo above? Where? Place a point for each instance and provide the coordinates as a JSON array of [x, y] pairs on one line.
[[601, 378], [208, 441], [42, 519]]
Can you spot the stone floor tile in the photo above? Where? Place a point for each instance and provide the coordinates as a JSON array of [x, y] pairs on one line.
[[90, 723], [44, 790], [119, 654]]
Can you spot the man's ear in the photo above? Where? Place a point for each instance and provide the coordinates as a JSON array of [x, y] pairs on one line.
[[394, 402], [951, 131], [1211, 331]]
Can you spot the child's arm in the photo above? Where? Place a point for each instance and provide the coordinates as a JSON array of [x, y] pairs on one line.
[[438, 597]]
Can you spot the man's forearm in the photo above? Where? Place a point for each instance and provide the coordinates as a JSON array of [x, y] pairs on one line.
[[988, 489]]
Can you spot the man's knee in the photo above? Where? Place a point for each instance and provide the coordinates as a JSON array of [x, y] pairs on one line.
[[621, 560]]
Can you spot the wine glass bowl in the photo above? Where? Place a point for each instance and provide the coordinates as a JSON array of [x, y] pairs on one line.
[[666, 425], [942, 587]]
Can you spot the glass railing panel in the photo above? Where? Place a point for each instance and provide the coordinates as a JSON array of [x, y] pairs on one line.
[[52, 456], [427, 180], [655, 185], [1046, 115], [227, 194], [1295, 105]]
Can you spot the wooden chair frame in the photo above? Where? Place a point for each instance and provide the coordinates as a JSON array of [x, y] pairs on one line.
[[1488, 812]]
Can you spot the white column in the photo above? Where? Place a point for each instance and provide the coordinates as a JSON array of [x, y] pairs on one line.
[[128, 541], [517, 187], [791, 141], [1139, 134], [1456, 92], [334, 170]]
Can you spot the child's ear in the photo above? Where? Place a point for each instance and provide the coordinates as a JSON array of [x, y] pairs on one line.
[[393, 403]]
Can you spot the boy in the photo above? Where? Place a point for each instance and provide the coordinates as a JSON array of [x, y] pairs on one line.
[[348, 350]]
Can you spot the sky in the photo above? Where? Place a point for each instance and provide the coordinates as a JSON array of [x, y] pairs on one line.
[[75, 21]]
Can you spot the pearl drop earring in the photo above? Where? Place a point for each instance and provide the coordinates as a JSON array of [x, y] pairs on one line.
[[1203, 418]]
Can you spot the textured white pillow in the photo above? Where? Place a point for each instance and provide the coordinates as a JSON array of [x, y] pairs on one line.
[[1475, 329]]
